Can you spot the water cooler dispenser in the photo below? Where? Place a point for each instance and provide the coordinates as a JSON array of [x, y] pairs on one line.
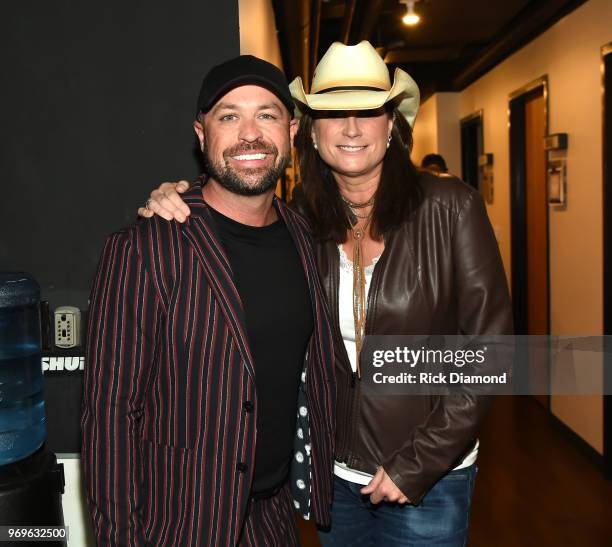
[[31, 480]]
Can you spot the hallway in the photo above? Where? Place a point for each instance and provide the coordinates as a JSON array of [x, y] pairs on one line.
[[535, 488]]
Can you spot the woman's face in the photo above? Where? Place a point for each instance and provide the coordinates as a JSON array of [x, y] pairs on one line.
[[352, 143]]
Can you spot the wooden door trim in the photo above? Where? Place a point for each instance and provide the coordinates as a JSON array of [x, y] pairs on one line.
[[471, 117], [542, 81]]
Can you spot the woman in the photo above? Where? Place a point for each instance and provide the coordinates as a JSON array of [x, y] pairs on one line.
[[399, 253]]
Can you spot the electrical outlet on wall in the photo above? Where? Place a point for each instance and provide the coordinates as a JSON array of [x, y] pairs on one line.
[[67, 327]]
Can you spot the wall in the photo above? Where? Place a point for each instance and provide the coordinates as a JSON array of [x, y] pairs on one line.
[[425, 135], [449, 131], [569, 53], [74, 505], [437, 130], [258, 35]]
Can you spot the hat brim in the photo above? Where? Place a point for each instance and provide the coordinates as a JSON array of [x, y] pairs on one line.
[[404, 92]]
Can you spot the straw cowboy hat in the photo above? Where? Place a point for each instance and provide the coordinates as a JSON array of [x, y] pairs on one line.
[[356, 78]]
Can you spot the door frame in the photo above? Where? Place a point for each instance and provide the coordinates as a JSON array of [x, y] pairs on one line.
[[606, 132], [470, 119], [518, 202]]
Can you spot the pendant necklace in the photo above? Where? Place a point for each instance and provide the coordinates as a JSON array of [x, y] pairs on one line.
[[359, 300]]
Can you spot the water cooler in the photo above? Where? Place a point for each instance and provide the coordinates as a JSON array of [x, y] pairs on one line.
[[31, 480]]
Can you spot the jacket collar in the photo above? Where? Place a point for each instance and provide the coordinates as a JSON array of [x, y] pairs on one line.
[[200, 233]]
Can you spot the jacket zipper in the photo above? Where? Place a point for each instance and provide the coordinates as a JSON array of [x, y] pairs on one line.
[[350, 427]]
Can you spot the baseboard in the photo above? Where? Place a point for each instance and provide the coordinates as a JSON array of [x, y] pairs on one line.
[[585, 448]]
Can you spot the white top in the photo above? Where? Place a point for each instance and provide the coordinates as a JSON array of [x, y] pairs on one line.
[[347, 328]]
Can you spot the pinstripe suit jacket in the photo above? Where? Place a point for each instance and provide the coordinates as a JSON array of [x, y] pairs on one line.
[[168, 444]]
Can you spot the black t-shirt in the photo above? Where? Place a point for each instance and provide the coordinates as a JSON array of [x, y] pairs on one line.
[[270, 279]]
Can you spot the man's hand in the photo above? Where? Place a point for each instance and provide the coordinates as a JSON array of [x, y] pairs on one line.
[[166, 202], [382, 488]]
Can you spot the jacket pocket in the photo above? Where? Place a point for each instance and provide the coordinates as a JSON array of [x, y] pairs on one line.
[[167, 478]]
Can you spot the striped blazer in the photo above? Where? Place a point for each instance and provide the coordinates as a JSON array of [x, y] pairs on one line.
[[169, 406]]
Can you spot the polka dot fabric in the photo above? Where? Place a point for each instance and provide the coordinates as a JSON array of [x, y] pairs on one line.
[[301, 473]]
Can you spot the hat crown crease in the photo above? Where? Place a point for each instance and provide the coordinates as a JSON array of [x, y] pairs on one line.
[[357, 78], [337, 68]]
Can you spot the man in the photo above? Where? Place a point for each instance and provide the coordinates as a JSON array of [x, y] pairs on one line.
[[201, 339], [434, 163]]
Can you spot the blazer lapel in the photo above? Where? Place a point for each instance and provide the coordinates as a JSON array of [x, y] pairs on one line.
[[306, 252], [209, 252]]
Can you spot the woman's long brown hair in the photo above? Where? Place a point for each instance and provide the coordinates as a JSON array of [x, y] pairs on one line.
[[397, 197]]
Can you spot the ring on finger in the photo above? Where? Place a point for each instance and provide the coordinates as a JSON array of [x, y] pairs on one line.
[[147, 203]]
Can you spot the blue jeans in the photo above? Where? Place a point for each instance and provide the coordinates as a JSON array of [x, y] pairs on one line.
[[441, 519]]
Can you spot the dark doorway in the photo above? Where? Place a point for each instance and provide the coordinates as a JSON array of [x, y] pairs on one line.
[[607, 223], [529, 218], [471, 148]]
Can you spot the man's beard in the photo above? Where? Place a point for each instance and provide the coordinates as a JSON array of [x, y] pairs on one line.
[[238, 182]]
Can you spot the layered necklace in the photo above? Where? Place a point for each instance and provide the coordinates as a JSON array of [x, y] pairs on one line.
[[354, 214]]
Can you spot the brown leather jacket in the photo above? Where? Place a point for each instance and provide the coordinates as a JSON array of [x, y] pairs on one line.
[[440, 273]]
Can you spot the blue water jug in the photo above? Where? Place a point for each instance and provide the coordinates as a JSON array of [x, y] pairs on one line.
[[22, 409]]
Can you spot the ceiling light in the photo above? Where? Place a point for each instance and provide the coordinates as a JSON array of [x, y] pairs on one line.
[[411, 18]]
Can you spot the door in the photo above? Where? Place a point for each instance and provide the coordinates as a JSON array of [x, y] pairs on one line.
[[529, 215], [536, 214], [537, 232], [607, 219], [471, 149]]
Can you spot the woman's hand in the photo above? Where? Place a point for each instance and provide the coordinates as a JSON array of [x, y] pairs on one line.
[[382, 488], [166, 202]]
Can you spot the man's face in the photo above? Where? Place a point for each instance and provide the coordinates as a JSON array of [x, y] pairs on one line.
[[245, 140]]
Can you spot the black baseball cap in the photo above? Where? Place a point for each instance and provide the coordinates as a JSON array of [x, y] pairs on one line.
[[434, 159], [242, 70]]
